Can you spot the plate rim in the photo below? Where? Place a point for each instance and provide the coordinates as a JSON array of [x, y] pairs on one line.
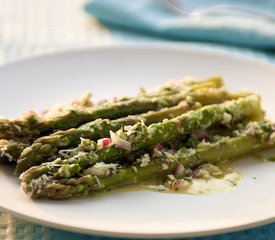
[[143, 46], [101, 233]]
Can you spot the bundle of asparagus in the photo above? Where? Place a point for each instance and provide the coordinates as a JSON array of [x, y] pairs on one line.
[[166, 133]]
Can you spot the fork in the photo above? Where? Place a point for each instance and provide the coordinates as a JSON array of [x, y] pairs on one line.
[[199, 8]]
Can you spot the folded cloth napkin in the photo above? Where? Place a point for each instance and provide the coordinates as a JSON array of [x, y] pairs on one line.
[[155, 17]]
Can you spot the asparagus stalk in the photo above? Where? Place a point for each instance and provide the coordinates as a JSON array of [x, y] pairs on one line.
[[10, 129], [19, 128], [141, 137], [174, 87], [255, 137], [76, 116], [10, 150], [46, 146]]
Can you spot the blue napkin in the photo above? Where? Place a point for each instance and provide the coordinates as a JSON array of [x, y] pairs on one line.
[[154, 17]]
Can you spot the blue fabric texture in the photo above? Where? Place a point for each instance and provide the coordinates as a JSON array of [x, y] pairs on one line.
[[155, 17], [262, 233]]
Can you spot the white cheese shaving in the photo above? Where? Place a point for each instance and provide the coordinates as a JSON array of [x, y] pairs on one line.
[[250, 130], [226, 118], [101, 169], [272, 138], [145, 159], [134, 169], [36, 183], [164, 166]]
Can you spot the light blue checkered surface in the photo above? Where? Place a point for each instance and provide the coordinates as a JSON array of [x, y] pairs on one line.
[[19, 229], [33, 27]]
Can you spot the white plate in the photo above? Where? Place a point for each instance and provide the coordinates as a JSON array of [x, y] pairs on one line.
[[43, 81]]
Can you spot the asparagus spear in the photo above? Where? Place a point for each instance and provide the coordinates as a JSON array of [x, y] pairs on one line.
[[44, 147], [140, 137], [10, 150], [255, 137], [174, 87], [74, 117], [10, 129]]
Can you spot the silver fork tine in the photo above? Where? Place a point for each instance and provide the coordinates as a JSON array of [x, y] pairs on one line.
[[182, 6], [178, 6]]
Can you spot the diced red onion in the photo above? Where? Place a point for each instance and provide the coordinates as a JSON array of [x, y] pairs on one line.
[[44, 112], [104, 142], [177, 184], [202, 135], [29, 114], [167, 161], [177, 123], [101, 102], [172, 151], [158, 146]]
